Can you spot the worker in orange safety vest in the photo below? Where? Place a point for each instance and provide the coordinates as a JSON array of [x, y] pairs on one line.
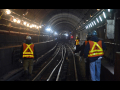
[[94, 51], [77, 43], [28, 55]]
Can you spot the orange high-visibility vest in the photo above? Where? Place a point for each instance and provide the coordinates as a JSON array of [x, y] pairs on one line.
[[95, 49], [77, 42], [28, 50]]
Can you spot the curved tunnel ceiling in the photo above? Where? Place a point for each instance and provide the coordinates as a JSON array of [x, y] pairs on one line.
[[60, 27], [58, 19]]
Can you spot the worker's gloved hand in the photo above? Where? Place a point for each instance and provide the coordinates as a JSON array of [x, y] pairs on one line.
[[85, 60]]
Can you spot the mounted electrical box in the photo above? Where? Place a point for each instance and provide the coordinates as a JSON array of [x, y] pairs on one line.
[[110, 28]]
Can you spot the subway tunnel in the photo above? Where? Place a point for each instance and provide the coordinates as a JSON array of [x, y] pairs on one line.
[[54, 30]]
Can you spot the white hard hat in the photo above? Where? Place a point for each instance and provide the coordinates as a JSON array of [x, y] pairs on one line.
[[28, 37]]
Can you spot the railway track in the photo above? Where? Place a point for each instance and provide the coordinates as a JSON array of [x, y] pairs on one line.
[[60, 66]]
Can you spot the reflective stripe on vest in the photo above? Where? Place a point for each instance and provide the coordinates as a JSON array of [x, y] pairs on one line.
[[28, 50], [95, 49], [77, 42]]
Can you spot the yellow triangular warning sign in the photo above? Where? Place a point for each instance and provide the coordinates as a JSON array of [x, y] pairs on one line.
[[28, 50], [96, 47]]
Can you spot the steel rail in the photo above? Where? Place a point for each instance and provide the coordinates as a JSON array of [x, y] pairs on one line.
[[62, 59], [45, 66], [76, 77], [54, 70]]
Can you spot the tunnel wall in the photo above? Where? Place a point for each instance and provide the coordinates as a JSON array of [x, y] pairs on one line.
[[9, 56], [17, 39]]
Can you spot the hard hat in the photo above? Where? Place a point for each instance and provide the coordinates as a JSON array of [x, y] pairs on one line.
[[94, 33], [28, 37]]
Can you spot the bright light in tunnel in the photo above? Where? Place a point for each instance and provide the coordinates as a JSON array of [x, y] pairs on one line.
[[8, 11], [94, 22], [18, 21], [108, 10], [30, 26], [66, 34], [14, 20], [55, 33], [97, 20], [24, 23], [40, 26], [86, 27], [100, 18], [27, 25], [104, 15], [48, 29]]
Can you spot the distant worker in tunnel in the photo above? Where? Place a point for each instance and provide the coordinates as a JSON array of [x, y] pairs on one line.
[[94, 51], [28, 55], [77, 43]]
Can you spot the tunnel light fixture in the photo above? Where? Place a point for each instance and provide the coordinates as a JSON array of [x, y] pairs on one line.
[[8, 11], [33, 25], [94, 22], [55, 33], [104, 15], [30, 26], [108, 10], [48, 29], [24, 23], [97, 20], [18, 21], [66, 34], [27, 25], [40, 26], [100, 18], [98, 9], [86, 27], [15, 20]]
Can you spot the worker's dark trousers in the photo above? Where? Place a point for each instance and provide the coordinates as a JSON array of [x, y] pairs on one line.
[[77, 48], [87, 68], [28, 63]]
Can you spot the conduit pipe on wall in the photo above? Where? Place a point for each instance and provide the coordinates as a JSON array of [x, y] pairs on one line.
[[13, 32]]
